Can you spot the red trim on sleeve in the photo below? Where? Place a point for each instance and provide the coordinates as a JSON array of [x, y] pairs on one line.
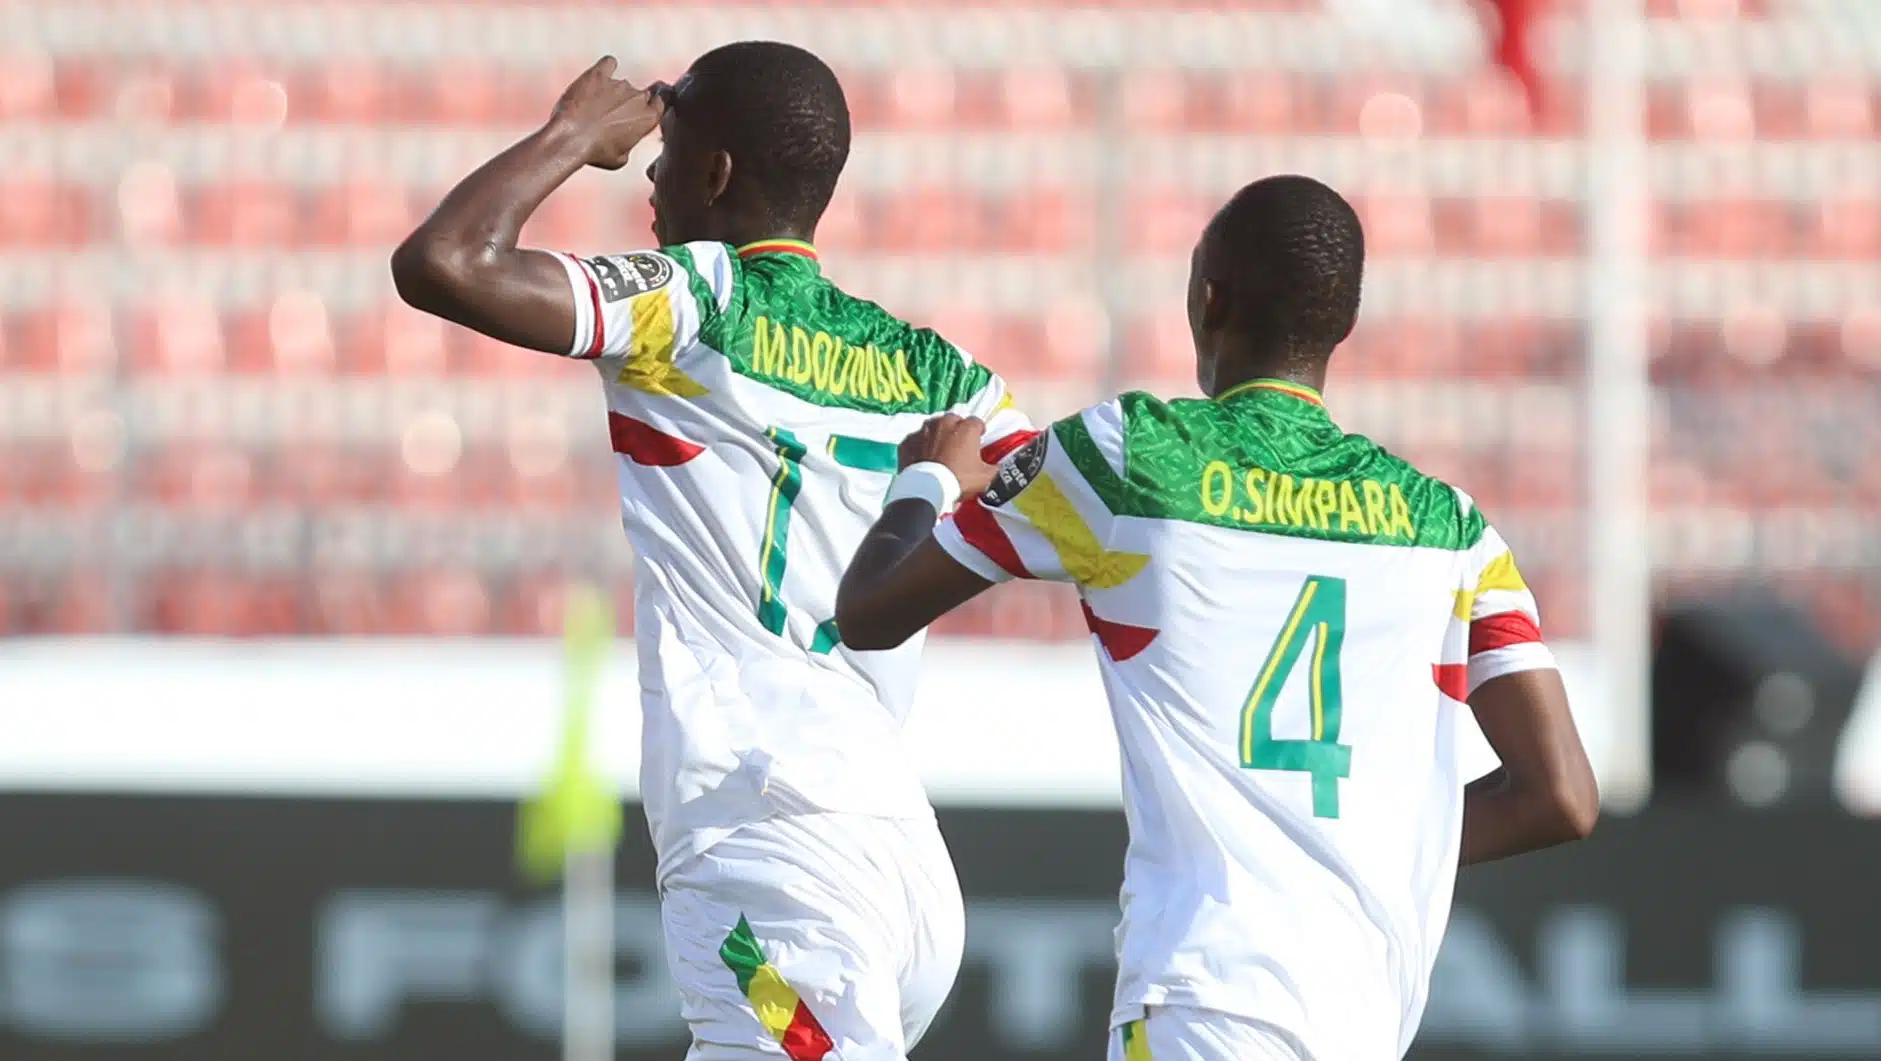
[[1492, 632], [999, 450], [981, 530], [600, 319]]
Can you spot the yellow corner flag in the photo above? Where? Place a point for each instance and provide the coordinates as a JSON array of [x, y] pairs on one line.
[[578, 810]]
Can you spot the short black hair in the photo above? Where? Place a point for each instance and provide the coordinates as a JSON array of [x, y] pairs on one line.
[[780, 112], [1290, 253]]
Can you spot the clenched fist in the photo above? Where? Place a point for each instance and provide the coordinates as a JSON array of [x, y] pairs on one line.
[[954, 441], [608, 116]]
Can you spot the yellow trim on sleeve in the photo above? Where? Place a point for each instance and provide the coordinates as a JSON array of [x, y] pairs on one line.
[[1083, 557], [1465, 605], [1501, 574], [650, 366]]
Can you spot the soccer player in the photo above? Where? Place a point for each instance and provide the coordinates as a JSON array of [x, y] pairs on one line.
[[810, 905], [1287, 618]]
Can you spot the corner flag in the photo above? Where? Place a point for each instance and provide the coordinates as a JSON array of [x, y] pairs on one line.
[[1511, 51], [578, 810]]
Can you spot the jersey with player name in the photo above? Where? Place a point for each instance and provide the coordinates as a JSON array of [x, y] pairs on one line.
[[755, 410], [1287, 619]]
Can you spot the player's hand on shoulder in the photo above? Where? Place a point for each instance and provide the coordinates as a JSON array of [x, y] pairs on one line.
[[607, 115], [954, 441]]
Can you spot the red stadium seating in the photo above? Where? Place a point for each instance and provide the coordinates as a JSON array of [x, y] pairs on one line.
[[72, 604], [197, 231], [26, 86], [248, 213], [36, 211]]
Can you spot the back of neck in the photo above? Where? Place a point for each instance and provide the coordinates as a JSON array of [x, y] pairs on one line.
[[743, 232], [1313, 376]]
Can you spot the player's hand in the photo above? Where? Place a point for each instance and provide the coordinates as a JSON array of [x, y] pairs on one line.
[[608, 116], [955, 442]]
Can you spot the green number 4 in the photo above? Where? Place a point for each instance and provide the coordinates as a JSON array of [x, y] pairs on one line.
[[774, 555], [1318, 616]]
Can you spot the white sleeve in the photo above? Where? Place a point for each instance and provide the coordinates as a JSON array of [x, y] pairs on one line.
[[1007, 428], [1504, 620], [1039, 520], [645, 303]]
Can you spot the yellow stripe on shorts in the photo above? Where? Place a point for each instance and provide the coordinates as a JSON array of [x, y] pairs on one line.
[[1136, 1042], [773, 1000]]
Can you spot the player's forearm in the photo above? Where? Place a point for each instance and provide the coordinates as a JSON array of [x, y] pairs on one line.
[[443, 264], [867, 601], [1504, 816]]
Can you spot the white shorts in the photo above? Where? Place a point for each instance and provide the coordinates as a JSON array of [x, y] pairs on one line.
[[1180, 1033], [825, 934]]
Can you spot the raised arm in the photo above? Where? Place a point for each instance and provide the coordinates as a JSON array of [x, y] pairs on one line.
[[462, 263], [1544, 793], [901, 580]]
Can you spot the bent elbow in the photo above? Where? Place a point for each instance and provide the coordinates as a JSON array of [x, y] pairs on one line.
[[425, 272], [865, 632], [415, 272], [1577, 808]]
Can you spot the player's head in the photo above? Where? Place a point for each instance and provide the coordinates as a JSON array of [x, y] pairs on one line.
[[756, 135], [1274, 282]]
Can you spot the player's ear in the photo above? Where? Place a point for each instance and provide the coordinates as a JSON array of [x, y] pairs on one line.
[[718, 176], [1214, 307]]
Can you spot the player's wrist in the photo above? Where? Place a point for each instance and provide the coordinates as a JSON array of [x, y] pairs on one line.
[[929, 481], [566, 140]]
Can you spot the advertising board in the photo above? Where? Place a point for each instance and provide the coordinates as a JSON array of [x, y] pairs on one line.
[[179, 928]]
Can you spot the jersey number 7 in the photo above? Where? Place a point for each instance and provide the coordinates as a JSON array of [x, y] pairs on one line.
[[1317, 615], [774, 554]]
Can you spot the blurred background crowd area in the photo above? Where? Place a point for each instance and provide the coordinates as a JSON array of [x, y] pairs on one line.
[[216, 418]]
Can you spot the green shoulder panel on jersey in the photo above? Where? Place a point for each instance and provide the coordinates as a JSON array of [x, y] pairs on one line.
[[697, 284], [1273, 464], [789, 328]]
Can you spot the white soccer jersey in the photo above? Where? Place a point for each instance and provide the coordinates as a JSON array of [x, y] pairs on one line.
[[1288, 619], [755, 410]]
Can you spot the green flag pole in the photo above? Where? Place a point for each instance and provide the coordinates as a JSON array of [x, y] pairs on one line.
[[570, 828], [577, 809]]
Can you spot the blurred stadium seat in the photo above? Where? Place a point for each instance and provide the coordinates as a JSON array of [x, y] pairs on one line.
[[195, 241]]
